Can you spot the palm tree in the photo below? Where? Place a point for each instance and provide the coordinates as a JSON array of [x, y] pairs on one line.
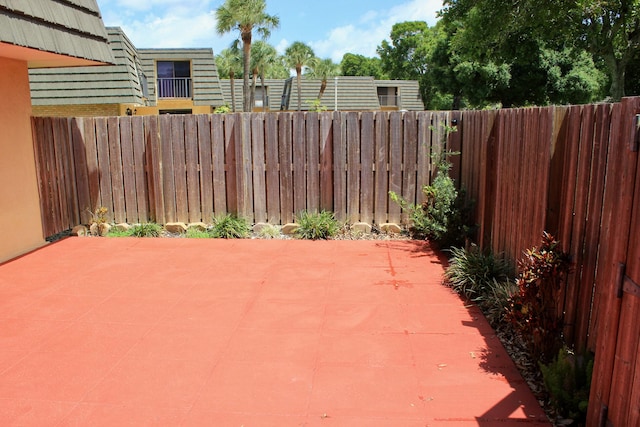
[[228, 63], [263, 56], [245, 16], [299, 56], [324, 69]]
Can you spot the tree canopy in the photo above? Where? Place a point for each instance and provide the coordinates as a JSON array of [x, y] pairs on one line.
[[245, 16]]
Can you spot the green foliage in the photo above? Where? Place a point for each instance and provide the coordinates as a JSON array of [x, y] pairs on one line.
[[197, 233], [269, 231], [360, 65], [316, 106], [223, 109], [314, 226], [568, 381], [118, 232], [533, 311], [473, 272], [444, 216], [148, 229], [230, 227]]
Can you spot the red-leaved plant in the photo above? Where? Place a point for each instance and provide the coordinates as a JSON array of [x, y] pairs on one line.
[[534, 309]]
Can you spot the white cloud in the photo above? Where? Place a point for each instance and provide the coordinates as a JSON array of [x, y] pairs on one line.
[[374, 26]]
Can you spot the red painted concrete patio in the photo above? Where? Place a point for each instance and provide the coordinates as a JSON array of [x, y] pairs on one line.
[[195, 332]]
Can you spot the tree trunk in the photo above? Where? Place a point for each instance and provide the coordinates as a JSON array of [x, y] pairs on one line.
[[299, 83], [617, 70], [232, 76], [323, 87], [254, 78], [246, 89], [264, 92]]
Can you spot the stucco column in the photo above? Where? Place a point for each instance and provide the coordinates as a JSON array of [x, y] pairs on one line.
[[20, 221]]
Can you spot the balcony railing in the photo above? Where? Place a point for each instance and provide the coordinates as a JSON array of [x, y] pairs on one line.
[[388, 100], [176, 87]]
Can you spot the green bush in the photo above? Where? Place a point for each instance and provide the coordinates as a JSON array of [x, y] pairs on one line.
[[230, 227], [568, 381], [444, 217], [269, 231], [149, 229], [533, 310], [314, 226], [474, 273], [118, 232]]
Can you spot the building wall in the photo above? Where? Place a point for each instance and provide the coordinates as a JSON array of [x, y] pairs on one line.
[[20, 223], [77, 110]]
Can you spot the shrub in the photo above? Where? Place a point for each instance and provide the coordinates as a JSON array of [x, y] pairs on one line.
[[495, 300], [99, 223], [230, 227], [533, 310], [269, 231], [148, 229], [473, 273], [568, 381], [444, 216], [314, 226]]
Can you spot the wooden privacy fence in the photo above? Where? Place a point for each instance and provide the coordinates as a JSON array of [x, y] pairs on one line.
[[573, 171], [266, 167]]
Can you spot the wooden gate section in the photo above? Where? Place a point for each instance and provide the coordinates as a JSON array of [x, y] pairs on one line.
[[615, 390]]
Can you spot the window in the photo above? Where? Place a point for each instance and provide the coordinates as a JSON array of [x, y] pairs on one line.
[[174, 79], [388, 96]]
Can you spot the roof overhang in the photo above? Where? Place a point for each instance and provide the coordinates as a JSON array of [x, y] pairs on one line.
[[36, 58]]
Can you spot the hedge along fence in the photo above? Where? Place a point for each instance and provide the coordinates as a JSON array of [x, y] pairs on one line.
[[266, 167]]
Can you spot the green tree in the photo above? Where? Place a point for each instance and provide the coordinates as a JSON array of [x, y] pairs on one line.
[[323, 70], [359, 65], [608, 29], [300, 56], [245, 16], [229, 62], [263, 56]]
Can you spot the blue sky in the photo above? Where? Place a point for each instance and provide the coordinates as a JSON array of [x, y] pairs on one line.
[[331, 27]]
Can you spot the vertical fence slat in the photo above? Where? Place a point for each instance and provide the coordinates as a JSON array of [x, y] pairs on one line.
[[313, 162], [285, 160], [155, 175], [104, 171], [82, 176], [410, 154], [259, 172], [326, 162], [381, 140], [395, 163], [367, 147], [206, 167], [168, 169], [115, 169], [218, 162], [353, 167], [192, 158], [340, 166], [179, 168], [272, 161], [230, 161], [139, 154], [299, 162], [128, 169], [243, 167]]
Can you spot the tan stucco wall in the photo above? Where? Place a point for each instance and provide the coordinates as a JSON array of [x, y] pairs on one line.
[[20, 223]]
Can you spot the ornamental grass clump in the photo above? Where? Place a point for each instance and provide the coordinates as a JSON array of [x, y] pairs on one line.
[[230, 227], [148, 229], [315, 226], [473, 272], [534, 309]]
